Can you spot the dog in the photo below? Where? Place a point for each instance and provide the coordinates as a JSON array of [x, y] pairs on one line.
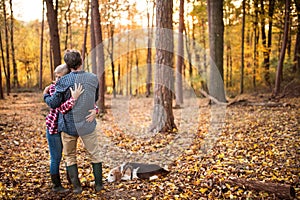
[[130, 171]]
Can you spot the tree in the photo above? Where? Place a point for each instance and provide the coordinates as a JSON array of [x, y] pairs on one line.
[[15, 71], [283, 48], [180, 55], [149, 49], [256, 40], [41, 48], [297, 45], [83, 52], [216, 40], [3, 64], [53, 27], [100, 53], [243, 48], [7, 63], [163, 119]]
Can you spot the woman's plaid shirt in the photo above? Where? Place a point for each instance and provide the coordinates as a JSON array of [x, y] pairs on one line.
[[52, 117]]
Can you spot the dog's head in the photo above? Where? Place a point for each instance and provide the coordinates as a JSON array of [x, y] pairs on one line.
[[114, 175]]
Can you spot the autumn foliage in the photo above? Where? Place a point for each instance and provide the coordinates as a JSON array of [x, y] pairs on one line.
[[259, 142]]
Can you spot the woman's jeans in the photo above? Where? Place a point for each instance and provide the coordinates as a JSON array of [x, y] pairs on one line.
[[55, 148]]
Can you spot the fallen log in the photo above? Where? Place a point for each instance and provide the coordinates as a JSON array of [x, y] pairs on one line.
[[213, 99], [282, 191]]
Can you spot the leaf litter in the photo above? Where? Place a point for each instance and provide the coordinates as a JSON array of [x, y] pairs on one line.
[[254, 142]]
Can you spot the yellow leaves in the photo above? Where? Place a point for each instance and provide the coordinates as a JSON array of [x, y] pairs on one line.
[[203, 190]]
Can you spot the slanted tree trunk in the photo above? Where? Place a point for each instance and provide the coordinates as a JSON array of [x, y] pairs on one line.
[[180, 55], [3, 63], [100, 54], [216, 42], [283, 48], [163, 118], [41, 48]]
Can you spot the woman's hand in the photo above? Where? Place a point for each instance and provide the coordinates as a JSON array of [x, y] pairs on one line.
[[77, 91], [46, 90], [91, 116]]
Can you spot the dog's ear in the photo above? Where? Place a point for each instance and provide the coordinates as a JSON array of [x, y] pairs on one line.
[[118, 176]]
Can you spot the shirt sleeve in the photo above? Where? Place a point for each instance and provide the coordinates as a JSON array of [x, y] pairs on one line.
[[56, 99], [66, 106]]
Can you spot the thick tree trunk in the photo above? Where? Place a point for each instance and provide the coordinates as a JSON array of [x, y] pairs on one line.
[[54, 35], [163, 119], [100, 54], [216, 42]]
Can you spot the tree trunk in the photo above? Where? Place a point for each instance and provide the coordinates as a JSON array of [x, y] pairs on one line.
[[243, 48], [256, 40], [100, 54], [85, 33], [3, 63], [216, 41], [283, 48], [180, 56], [163, 119], [41, 49], [7, 51], [15, 71], [296, 68], [54, 35], [93, 46], [271, 13], [149, 51], [68, 24]]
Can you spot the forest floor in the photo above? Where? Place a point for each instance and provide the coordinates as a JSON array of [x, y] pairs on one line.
[[257, 140]]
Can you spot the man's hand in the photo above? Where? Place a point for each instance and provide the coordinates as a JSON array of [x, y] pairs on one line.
[[77, 91], [91, 116]]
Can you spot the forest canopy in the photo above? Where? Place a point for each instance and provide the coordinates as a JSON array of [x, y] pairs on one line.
[[254, 33]]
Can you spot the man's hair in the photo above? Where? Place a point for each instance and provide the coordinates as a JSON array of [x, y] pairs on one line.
[[63, 69], [73, 59]]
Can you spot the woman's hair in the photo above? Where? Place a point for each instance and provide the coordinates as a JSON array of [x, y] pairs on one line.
[[63, 69], [73, 59]]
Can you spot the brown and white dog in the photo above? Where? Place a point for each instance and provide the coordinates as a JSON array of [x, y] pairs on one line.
[[129, 171]]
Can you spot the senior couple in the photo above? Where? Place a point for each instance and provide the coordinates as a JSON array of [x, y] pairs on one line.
[[72, 102]]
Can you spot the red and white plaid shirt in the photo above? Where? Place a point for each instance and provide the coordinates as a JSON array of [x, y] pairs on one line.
[[52, 117]]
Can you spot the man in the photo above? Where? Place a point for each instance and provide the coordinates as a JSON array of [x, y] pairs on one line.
[[73, 124]]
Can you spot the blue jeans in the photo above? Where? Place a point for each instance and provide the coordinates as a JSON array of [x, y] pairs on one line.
[[55, 148]]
